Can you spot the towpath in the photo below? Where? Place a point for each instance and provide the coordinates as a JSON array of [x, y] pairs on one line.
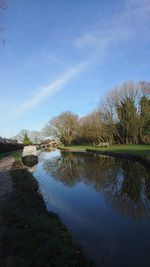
[[5, 179], [5, 187]]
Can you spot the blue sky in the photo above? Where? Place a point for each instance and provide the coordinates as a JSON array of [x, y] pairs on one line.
[[66, 54]]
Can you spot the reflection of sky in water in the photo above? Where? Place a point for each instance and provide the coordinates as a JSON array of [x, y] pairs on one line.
[[89, 206]]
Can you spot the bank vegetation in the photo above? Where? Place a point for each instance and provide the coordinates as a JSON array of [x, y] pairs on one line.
[[122, 117]]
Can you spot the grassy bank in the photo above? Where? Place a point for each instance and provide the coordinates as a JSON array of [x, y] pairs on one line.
[[31, 235], [139, 150], [16, 154]]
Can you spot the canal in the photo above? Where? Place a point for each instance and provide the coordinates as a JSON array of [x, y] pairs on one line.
[[103, 201]]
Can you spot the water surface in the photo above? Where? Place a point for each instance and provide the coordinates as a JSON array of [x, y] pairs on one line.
[[104, 201]]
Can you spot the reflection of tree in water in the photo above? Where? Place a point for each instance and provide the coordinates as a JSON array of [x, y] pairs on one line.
[[65, 168], [134, 197], [125, 183]]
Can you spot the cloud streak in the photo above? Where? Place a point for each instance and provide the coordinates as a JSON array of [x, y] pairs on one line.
[[51, 89]]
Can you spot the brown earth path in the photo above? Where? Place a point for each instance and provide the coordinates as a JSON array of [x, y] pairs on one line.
[[5, 179]]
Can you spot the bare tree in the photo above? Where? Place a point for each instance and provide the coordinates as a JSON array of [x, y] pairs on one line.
[[3, 5], [21, 135], [35, 136], [145, 88], [63, 127], [93, 129]]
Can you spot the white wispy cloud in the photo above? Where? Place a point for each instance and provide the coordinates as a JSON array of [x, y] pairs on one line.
[[93, 39], [51, 89], [133, 22]]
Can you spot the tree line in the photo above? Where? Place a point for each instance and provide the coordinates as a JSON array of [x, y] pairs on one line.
[[122, 117], [27, 137]]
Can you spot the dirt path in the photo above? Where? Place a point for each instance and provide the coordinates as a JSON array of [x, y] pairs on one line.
[[5, 179]]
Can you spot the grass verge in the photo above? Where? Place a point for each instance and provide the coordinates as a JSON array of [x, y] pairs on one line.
[[140, 150], [16, 154], [31, 235]]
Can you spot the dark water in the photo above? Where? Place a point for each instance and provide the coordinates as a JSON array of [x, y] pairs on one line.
[[104, 201]]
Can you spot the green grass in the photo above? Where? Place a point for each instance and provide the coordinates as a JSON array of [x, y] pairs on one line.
[[31, 235], [142, 150], [77, 147], [16, 154]]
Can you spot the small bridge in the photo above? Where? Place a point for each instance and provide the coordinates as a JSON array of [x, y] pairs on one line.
[[48, 145]]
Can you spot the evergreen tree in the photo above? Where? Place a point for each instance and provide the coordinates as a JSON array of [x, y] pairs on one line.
[[128, 120], [26, 140], [144, 119]]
